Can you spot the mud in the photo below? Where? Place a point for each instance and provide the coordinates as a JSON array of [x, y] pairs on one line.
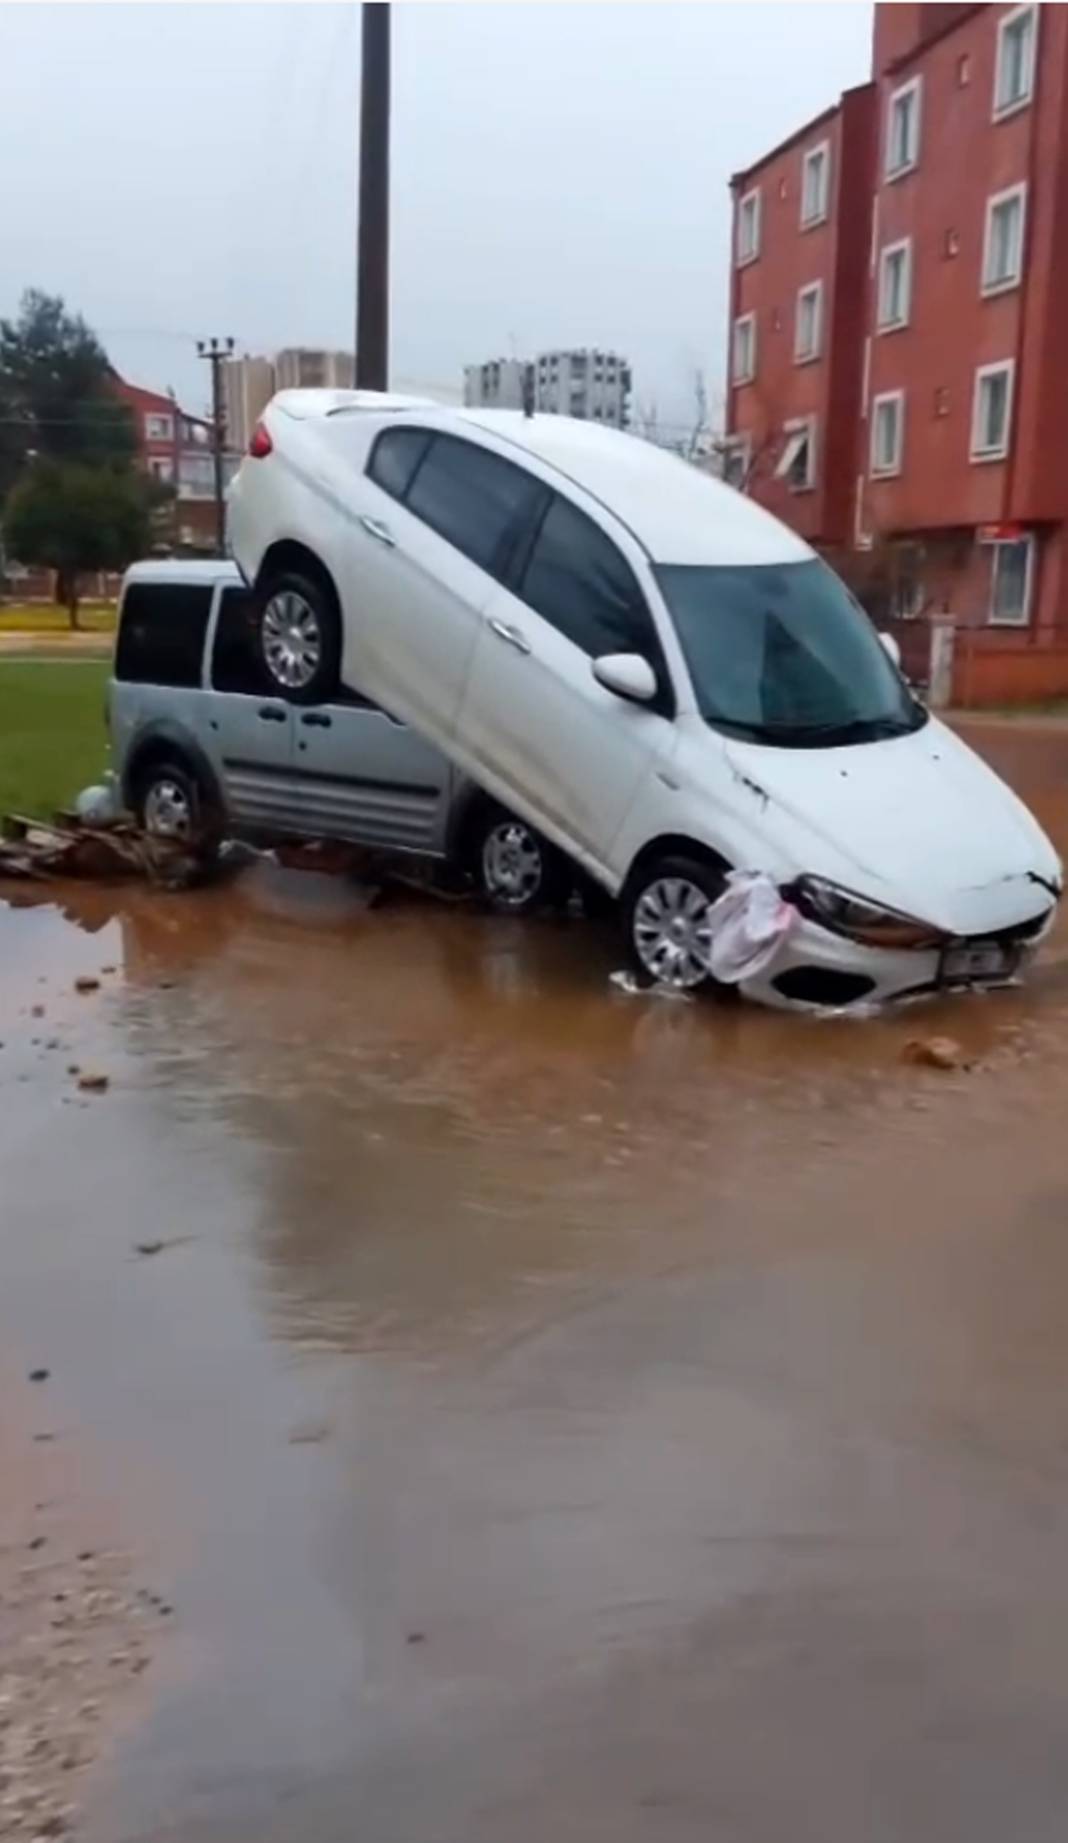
[[550, 1413]]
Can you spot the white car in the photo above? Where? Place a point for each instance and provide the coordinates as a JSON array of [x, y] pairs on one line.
[[648, 670]]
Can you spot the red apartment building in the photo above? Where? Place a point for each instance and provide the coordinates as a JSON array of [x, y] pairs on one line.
[[177, 449], [899, 367]]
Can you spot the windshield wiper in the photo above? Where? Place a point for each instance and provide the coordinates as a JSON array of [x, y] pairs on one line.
[[826, 735]]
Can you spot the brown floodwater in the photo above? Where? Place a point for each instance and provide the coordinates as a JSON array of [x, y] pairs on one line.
[[552, 1413]]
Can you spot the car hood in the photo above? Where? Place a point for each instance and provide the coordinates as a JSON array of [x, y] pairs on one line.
[[918, 822]]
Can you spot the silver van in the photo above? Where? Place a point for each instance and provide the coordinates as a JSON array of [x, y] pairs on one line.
[[205, 747]]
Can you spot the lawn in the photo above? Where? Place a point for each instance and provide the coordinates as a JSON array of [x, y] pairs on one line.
[[46, 618], [52, 736]]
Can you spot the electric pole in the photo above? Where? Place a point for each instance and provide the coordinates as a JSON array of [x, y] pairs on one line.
[[372, 249], [215, 351]]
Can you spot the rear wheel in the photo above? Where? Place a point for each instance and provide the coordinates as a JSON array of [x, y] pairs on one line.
[[516, 869], [298, 632], [665, 918]]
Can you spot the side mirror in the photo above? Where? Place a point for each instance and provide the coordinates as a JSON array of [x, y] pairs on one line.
[[891, 649], [627, 675]]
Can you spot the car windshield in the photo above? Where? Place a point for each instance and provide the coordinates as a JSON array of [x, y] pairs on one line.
[[781, 653]]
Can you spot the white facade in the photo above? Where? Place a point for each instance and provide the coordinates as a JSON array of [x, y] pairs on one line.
[[592, 385], [496, 385], [248, 386]]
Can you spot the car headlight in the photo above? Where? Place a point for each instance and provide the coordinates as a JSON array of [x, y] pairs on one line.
[[858, 919]]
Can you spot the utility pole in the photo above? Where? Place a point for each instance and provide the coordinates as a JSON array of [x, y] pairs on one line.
[[215, 351], [372, 249]]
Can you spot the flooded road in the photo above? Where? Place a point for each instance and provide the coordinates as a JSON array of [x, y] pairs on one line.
[[551, 1414]]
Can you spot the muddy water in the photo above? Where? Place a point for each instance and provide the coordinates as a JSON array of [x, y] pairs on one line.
[[551, 1414]]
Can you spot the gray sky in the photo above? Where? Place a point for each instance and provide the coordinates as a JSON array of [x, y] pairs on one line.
[[560, 173]]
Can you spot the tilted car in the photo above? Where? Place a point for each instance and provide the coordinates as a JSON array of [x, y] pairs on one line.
[[647, 669]]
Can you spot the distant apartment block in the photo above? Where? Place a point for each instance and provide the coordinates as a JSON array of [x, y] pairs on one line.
[[304, 368], [898, 384], [248, 386], [592, 385]]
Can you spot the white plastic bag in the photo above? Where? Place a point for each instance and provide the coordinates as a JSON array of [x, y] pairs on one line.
[[748, 925]]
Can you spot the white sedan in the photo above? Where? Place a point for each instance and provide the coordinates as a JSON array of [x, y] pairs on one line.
[[648, 671]]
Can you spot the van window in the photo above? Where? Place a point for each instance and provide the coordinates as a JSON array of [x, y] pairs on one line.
[[473, 499], [161, 638], [236, 664], [395, 457], [577, 579]]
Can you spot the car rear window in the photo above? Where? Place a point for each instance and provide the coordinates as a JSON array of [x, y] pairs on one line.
[[473, 499], [161, 636], [236, 664], [395, 457]]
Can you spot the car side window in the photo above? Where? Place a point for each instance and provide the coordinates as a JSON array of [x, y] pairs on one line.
[[161, 633], [395, 457], [235, 657], [473, 499], [577, 580]]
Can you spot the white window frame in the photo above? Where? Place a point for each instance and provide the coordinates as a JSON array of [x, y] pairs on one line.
[[893, 468], [1024, 618], [1002, 366], [1005, 23], [903, 245], [913, 87], [815, 351], [996, 199], [821, 151], [738, 445], [738, 377], [752, 198], [165, 420], [806, 426], [161, 466]]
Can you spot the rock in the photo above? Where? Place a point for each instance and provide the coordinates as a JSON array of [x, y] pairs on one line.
[[92, 1082], [37, 1011], [86, 982], [416, 1638], [934, 1053], [39, 1375], [149, 1247]]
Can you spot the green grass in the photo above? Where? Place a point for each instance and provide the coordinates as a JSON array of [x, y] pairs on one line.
[[46, 618], [52, 736]]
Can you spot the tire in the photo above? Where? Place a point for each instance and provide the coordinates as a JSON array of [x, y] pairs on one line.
[[663, 911], [298, 637], [169, 803], [516, 870]]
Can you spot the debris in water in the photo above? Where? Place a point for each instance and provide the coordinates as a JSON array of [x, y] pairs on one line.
[[935, 1053], [86, 982], [94, 1083], [39, 1375]]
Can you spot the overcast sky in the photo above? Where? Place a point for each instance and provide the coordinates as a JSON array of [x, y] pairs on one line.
[[560, 173]]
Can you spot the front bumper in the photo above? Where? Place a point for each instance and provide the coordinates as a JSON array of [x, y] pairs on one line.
[[817, 970]]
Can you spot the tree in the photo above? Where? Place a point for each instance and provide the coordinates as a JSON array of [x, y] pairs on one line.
[[73, 518], [57, 392]]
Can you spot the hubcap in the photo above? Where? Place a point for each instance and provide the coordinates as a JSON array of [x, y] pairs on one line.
[[167, 813], [672, 937], [292, 644], [512, 864]]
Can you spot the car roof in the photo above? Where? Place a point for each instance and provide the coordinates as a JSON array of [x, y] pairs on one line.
[[184, 569], [680, 513]]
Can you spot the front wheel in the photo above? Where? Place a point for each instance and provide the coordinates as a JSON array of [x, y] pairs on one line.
[[298, 633], [516, 869], [666, 920]]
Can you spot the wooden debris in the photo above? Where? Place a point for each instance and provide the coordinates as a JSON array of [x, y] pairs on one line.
[[35, 850]]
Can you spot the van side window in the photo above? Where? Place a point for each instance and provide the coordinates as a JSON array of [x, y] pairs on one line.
[[235, 660], [473, 499], [161, 636], [577, 579], [395, 457]]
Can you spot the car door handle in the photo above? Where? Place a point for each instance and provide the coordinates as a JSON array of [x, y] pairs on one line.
[[315, 720], [510, 635], [376, 529], [271, 713]]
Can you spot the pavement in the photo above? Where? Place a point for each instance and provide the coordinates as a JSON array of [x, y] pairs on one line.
[[55, 646], [549, 1413]]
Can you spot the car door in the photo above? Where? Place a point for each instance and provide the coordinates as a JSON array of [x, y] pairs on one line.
[[544, 735], [435, 520], [359, 774], [250, 731]]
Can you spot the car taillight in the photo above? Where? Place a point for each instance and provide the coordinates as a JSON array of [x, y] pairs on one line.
[[261, 444]]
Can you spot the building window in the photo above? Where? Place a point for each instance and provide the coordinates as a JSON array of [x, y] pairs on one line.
[[797, 462], [808, 323], [815, 184], [749, 228], [1014, 72], [903, 129], [744, 366], [1011, 566], [895, 285], [887, 432], [159, 428], [992, 411], [161, 466], [736, 454], [1003, 239]]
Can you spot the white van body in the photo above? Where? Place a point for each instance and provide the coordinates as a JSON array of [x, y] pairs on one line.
[[761, 726]]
